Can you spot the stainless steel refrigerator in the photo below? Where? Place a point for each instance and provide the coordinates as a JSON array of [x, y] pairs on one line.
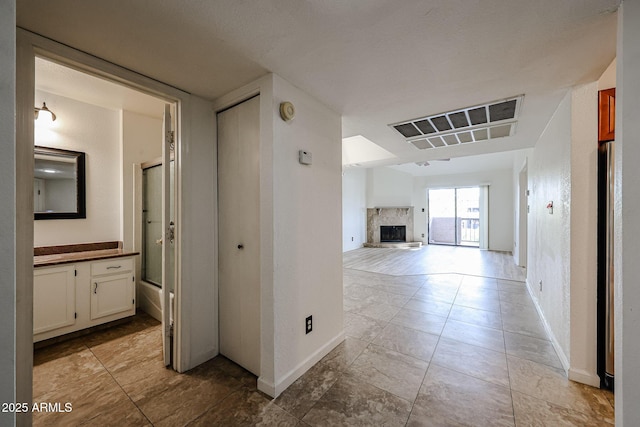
[[605, 264]]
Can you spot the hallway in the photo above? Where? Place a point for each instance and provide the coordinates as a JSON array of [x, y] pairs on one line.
[[443, 348]]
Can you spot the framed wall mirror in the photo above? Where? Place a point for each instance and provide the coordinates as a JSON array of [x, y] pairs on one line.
[[59, 188]]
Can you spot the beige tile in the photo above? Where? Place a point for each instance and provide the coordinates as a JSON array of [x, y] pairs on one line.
[[489, 319], [390, 371], [308, 389], [530, 411], [449, 281], [411, 342], [524, 323], [57, 351], [185, 396], [429, 305], [464, 399], [479, 292], [441, 292], [381, 297], [421, 417], [362, 327], [352, 402], [516, 303], [341, 357], [245, 408], [530, 348], [130, 350], [512, 286], [407, 289], [225, 365], [350, 304], [479, 282], [358, 291], [66, 373], [97, 397], [481, 301], [552, 385], [487, 365], [380, 311], [473, 334], [424, 322]]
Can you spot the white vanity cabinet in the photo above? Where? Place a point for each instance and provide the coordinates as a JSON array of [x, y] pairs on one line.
[[79, 295], [54, 298], [112, 288]]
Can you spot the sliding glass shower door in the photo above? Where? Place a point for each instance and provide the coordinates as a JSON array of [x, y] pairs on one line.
[[454, 216], [152, 225]]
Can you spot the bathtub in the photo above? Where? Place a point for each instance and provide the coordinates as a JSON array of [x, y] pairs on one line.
[[150, 299]]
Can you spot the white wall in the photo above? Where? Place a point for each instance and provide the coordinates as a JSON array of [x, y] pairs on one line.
[[584, 241], [300, 231], [388, 187], [307, 233], [549, 248], [354, 209], [96, 132], [500, 203], [11, 368], [562, 247], [141, 142], [627, 226]]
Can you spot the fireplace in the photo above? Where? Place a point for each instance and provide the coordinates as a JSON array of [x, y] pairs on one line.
[[393, 233]]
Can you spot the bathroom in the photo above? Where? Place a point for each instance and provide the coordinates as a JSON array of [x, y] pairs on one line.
[[120, 132]]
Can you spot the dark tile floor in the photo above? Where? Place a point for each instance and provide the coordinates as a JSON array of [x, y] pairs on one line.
[[433, 350]]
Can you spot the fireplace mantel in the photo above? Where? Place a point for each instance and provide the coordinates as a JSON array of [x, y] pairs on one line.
[[397, 215]]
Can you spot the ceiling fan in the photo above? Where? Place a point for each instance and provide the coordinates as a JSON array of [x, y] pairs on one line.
[[426, 163]]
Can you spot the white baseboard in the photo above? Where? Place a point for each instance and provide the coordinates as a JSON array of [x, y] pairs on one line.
[[564, 360], [584, 377], [577, 375], [280, 385]]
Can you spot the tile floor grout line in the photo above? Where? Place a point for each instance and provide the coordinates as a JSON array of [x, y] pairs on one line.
[[120, 386]]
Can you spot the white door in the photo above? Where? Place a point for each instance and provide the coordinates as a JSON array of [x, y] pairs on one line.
[[239, 237], [168, 240]]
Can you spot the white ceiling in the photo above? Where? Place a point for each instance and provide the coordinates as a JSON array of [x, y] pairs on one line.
[[60, 80], [375, 62]]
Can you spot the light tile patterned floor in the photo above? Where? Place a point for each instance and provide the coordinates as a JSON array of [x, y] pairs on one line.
[[432, 349]]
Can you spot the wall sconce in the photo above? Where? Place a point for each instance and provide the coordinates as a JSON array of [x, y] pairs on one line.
[[46, 110]]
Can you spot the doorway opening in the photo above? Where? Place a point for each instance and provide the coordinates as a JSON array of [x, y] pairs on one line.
[[118, 128], [454, 216]]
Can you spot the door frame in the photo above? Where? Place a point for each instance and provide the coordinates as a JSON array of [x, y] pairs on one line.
[[523, 217], [30, 45]]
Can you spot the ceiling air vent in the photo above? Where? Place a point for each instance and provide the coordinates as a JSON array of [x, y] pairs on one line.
[[467, 125]]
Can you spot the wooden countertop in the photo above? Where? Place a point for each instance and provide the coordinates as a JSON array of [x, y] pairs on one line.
[[66, 254]]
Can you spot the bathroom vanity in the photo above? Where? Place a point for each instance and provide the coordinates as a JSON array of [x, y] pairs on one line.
[[80, 286]]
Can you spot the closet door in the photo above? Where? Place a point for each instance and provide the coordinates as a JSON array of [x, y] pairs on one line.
[[239, 233]]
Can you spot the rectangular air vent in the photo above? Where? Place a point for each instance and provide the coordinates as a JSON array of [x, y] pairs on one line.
[[466, 125]]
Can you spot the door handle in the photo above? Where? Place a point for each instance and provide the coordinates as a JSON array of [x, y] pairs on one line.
[[95, 289], [240, 246], [171, 233]]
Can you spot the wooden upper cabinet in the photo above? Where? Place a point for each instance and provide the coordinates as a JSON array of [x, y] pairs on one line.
[[607, 115]]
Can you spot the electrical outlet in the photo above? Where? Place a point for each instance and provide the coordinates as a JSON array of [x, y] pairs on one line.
[[540, 283], [423, 235], [308, 322]]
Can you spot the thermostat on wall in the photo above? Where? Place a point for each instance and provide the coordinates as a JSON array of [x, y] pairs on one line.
[[304, 157]]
